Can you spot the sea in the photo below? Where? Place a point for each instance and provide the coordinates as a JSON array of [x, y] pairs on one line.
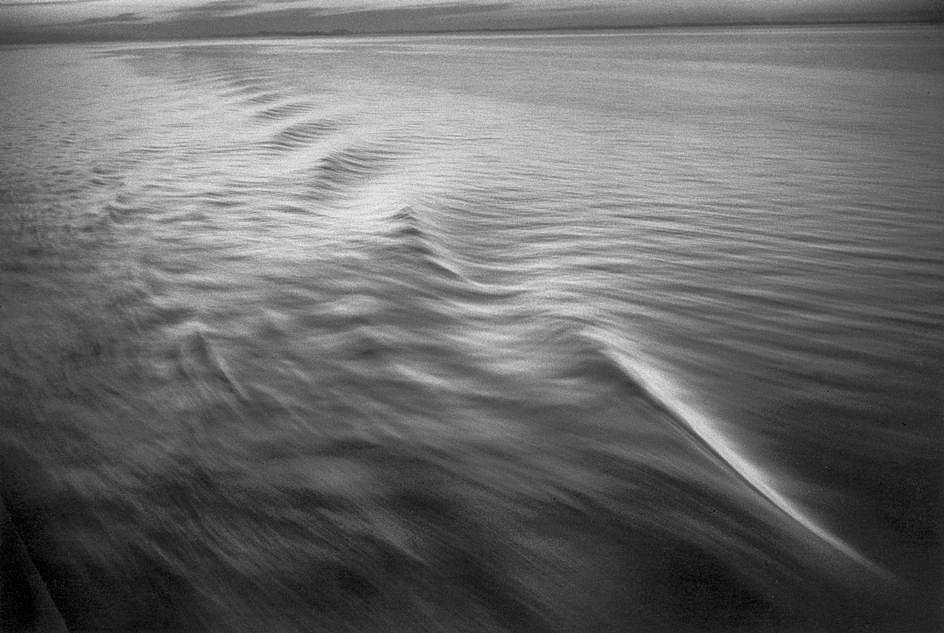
[[565, 332]]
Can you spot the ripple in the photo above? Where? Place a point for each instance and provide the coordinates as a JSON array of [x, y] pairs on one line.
[[302, 134]]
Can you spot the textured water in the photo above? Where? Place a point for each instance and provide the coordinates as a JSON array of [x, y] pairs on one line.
[[632, 332]]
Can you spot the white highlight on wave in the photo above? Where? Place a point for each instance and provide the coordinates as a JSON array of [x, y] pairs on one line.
[[665, 391]]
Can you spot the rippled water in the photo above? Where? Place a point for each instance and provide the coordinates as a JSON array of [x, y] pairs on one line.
[[632, 332]]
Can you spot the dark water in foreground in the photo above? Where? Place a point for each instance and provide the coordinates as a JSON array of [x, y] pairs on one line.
[[551, 333]]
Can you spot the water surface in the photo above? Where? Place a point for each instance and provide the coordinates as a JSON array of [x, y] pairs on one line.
[[614, 332]]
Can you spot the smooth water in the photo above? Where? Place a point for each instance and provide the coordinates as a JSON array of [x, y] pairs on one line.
[[621, 332]]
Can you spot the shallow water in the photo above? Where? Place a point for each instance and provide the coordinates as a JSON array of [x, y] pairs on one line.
[[617, 332]]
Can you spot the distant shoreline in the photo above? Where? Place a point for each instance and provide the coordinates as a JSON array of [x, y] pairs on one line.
[[575, 30]]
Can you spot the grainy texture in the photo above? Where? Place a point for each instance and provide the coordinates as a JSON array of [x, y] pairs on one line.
[[548, 333]]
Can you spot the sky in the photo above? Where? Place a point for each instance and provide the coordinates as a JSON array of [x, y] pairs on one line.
[[56, 20]]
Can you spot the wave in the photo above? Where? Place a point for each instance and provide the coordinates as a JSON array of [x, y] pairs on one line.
[[261, 98], [241, 82], [286, 110], [413, 236], [302, 134], [199, 361], [342, 170], [667, 396]]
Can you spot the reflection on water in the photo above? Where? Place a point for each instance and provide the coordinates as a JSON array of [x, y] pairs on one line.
[[556, 333]]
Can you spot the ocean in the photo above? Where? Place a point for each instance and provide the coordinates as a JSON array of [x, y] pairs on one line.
[[612, 331]]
